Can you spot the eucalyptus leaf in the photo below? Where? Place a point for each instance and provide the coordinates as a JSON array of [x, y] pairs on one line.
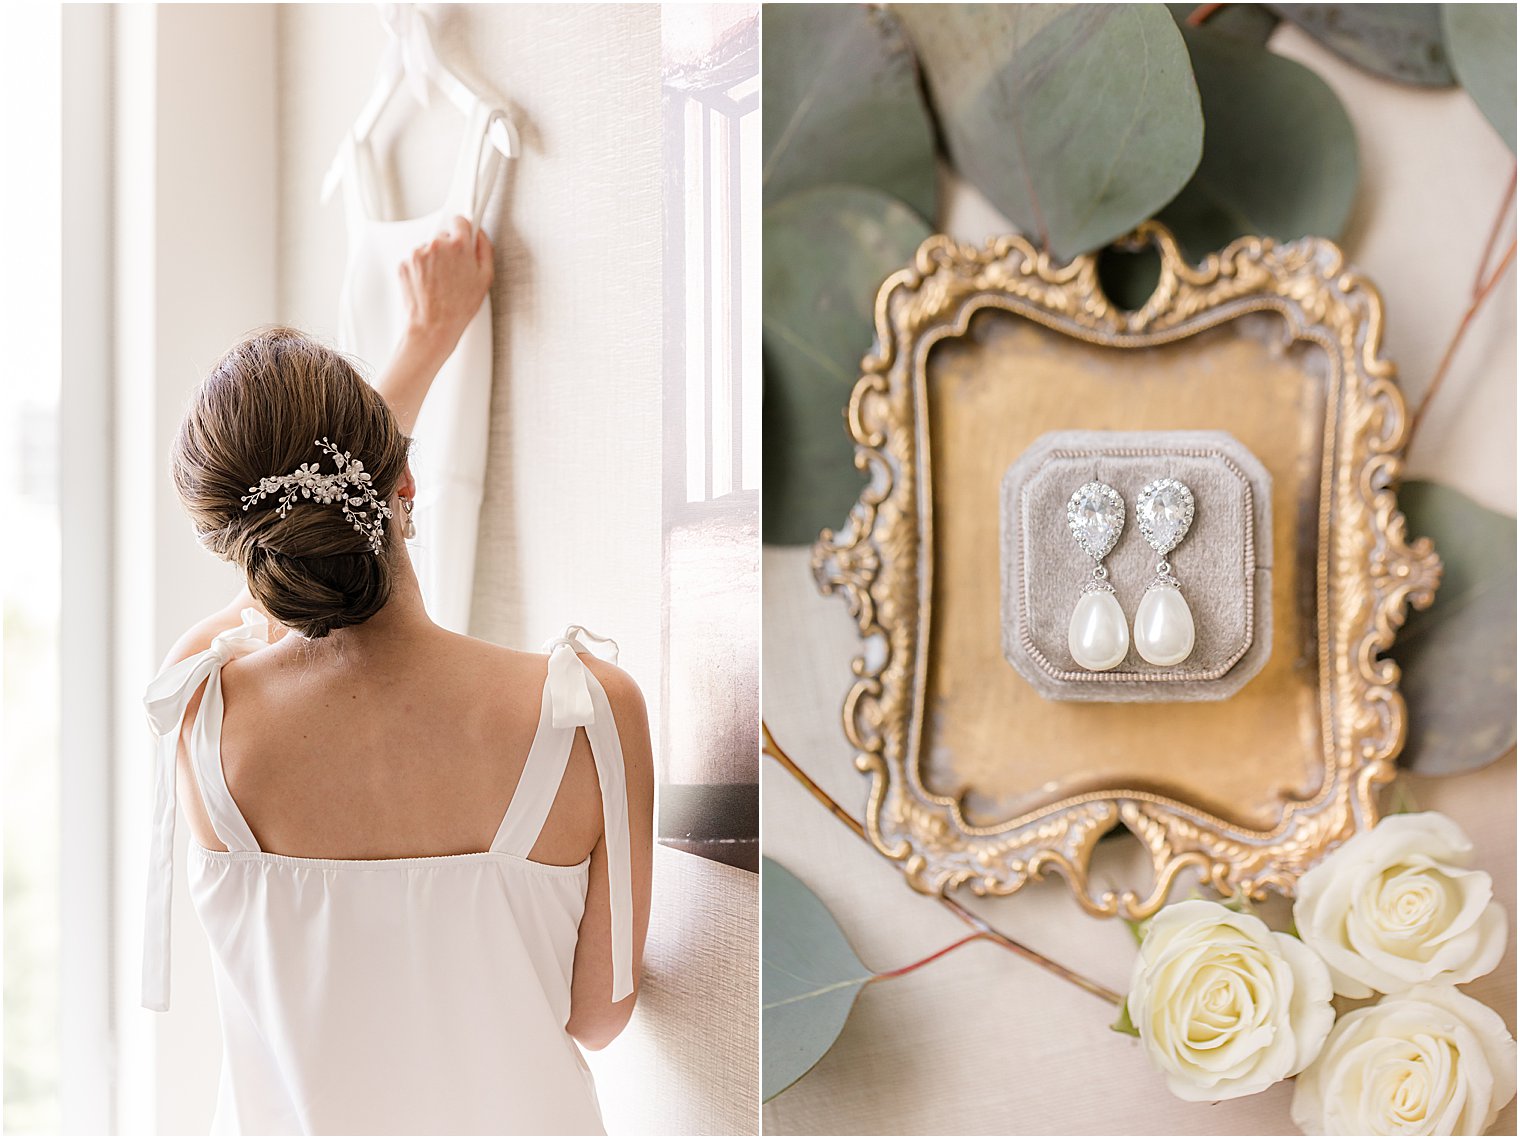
[[1078, 122], [1480, 43], [809, 979], [1458, 656], [1253, 23], [1279, 159], [842, 104], [1401, 42], [826, 253]]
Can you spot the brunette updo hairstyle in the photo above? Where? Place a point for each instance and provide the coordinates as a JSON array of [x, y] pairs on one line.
[[260, 413]]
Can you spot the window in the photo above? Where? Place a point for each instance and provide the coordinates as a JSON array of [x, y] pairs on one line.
[[708, 800]]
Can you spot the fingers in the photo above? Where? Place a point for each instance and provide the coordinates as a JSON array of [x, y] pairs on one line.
[[458, 235], [444, 264]]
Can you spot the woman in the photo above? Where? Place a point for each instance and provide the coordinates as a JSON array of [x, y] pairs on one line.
[[422, 860]]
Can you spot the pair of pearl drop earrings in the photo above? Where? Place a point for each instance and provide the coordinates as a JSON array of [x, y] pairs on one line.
[[1099, 635]]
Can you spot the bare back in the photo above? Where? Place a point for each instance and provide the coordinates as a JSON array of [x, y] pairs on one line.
[[408, 749]]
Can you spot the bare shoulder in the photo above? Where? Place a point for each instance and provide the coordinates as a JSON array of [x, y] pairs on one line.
[[530, 668], [631, 718], [622, 690], [496, 665], [198, 637]]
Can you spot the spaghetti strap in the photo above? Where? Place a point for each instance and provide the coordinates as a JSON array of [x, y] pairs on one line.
[[165, 702], [361, 193], [539, 782], [574, 698], [206, 760], [475, 156]]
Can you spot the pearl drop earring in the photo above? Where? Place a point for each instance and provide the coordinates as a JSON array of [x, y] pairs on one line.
[[1098, 635], [410, 529], [1164, 623]]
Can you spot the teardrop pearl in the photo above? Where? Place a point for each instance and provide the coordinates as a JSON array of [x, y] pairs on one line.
[[1164, 627], [1098, 636]]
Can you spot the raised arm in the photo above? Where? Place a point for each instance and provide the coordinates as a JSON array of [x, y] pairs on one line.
[[444, 282]]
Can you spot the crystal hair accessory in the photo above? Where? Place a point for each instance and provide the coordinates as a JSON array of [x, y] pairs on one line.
[[350, 487]]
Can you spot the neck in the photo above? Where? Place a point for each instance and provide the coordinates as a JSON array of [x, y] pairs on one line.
[[403, 615]]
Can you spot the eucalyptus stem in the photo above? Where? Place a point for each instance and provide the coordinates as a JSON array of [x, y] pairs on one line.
[[1493, 234], [1473, 308], [769, 746], [984, 929], [980, 924], [935, 956], [1201, 13]]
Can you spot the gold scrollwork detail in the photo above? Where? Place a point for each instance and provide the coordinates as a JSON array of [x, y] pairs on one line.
[[875, 563]]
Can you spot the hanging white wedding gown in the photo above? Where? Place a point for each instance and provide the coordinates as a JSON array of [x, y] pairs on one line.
[[449, 449]]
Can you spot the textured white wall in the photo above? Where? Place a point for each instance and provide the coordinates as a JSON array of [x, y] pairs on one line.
[[689, 1061]]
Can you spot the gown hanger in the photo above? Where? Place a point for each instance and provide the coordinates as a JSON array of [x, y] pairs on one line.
[[410, 58]]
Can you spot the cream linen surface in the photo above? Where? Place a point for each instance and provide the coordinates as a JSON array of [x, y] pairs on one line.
[[393, 996]]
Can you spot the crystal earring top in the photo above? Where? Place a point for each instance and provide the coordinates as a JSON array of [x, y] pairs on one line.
[[1164, 512], [1095, 515]]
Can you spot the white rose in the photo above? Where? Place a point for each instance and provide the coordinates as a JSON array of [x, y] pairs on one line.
[[1397, 906], [1430, 1061], [1226, 1007]]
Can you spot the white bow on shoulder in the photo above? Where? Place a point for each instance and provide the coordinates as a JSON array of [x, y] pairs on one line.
[[164, 702]]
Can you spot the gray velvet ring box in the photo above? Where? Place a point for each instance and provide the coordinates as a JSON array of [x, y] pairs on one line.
[[1224, 563]]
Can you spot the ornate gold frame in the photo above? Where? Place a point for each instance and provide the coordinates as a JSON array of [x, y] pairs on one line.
[[881, 564]]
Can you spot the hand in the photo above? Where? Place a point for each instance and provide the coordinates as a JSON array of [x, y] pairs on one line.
[[444, 282]]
